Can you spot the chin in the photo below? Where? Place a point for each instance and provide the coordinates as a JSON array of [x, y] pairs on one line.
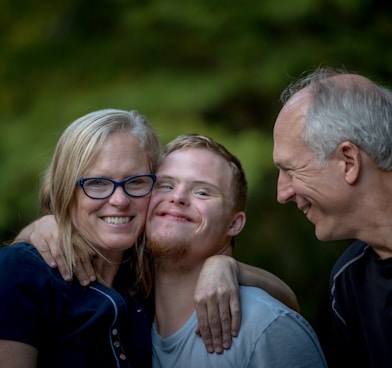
[[121, 243], [322, 236]]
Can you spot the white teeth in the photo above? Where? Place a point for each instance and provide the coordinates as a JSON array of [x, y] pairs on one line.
[[305, 210], [116, 220]]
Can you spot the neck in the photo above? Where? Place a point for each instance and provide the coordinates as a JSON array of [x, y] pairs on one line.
[[106, 270], [376, 213], [367, 213], [174, 291]]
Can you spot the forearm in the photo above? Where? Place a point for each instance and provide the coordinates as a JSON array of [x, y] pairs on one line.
[[253, 276]]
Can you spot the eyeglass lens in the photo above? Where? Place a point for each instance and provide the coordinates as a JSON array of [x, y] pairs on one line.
[[100, 188]]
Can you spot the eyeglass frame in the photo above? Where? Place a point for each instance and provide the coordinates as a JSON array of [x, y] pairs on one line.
[[116, 184]]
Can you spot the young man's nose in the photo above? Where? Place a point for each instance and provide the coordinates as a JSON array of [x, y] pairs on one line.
[[180, 196]]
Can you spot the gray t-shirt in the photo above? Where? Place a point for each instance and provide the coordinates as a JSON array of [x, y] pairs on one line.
[[271, 336]]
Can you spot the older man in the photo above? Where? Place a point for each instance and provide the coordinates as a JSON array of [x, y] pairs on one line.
[[333, 149]]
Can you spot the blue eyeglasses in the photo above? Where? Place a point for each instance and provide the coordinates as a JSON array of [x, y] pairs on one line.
[[101, 188]]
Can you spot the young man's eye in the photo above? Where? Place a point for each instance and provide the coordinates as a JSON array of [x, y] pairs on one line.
[[163, 186], [202, 193]]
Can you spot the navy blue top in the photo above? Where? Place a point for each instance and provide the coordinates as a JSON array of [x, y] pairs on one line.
[[70, 325], [361, 302]]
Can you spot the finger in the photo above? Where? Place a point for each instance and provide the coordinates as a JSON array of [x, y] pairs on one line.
[[235, 313], [224, 321], [222, 335], [45, 239], [203, 328], [219, 325], [47, 255], [88, 264], [84, 270], [58, 257], [211, 327]]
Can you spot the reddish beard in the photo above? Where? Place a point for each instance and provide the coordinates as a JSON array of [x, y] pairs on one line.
[[167, 253]]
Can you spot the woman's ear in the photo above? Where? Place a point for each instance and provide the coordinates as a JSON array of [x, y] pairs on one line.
[[237, 224], [350, 154]]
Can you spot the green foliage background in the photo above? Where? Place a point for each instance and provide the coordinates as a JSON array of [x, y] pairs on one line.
[[208, 66]]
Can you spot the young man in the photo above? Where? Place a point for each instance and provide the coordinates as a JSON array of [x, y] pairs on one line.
[[333, 149], [196, 210]]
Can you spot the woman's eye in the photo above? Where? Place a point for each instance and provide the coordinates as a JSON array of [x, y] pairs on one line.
[[97, 183]]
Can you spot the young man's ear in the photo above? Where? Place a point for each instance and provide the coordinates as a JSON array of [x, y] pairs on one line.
[[237, 224], [350, 154]]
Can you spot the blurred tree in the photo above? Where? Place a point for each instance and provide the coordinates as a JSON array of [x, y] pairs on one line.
[[214, 67]]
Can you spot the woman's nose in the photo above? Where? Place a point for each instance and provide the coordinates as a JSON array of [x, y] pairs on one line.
[[119, 197]]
